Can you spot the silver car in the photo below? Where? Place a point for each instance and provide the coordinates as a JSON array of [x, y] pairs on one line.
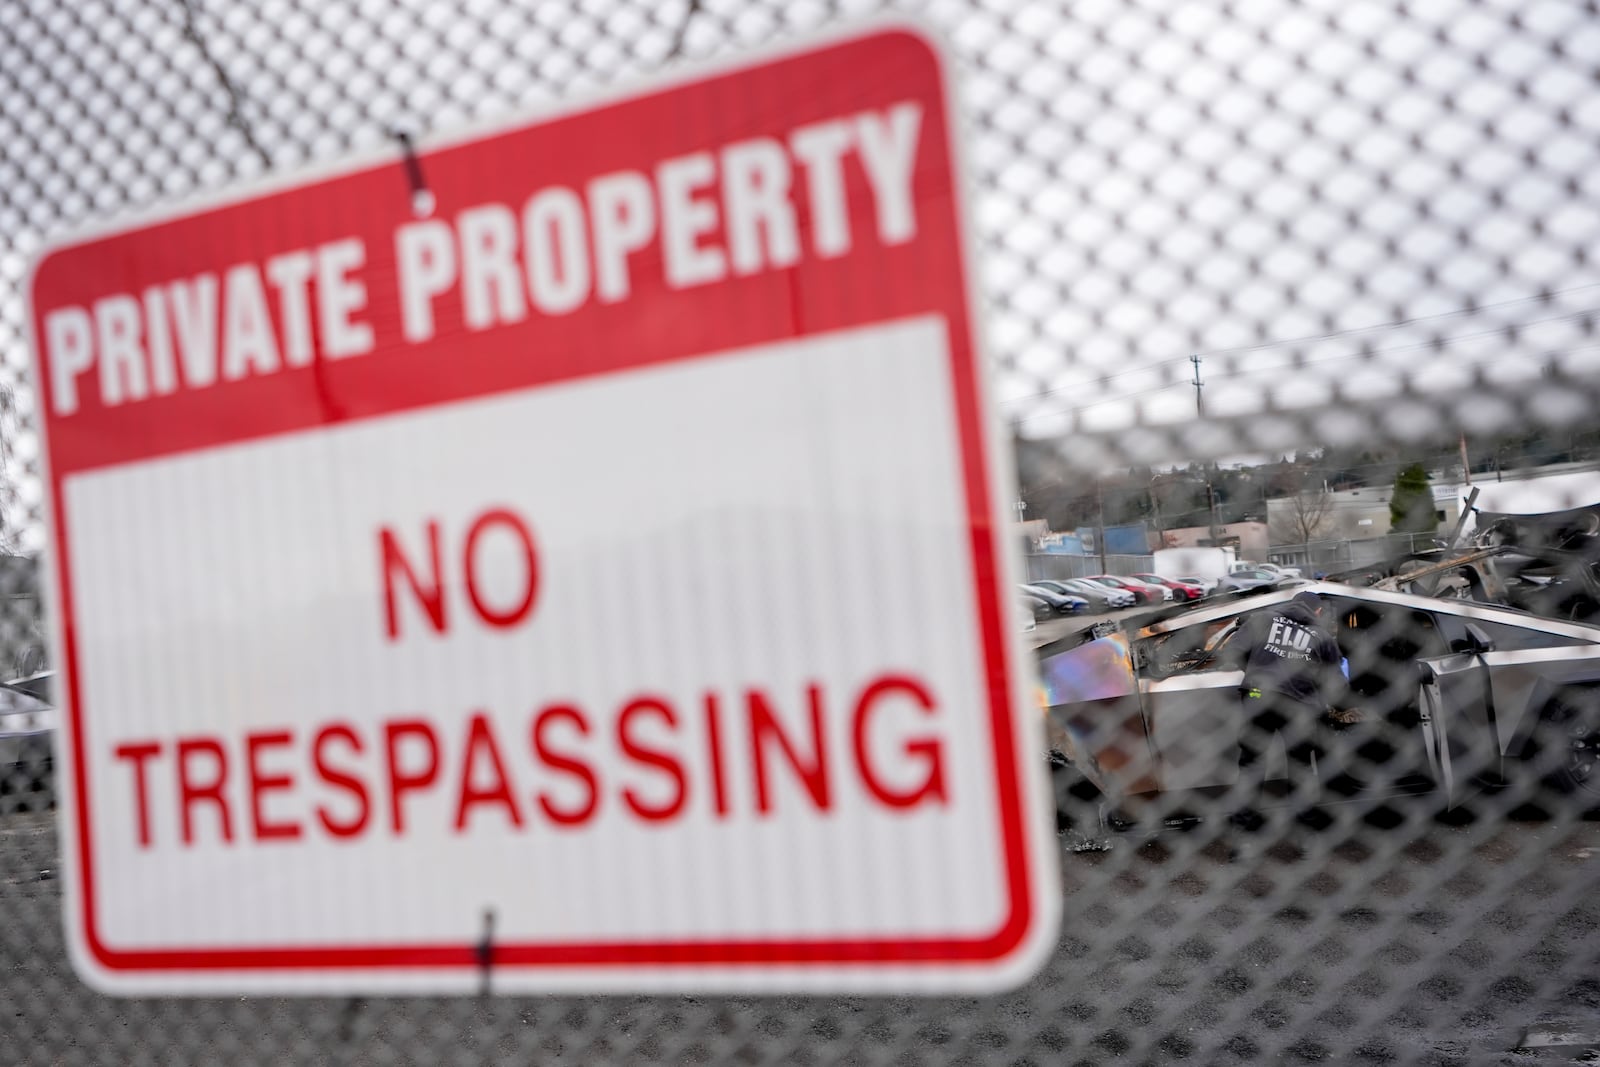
[[1250, 578], [1100, 597]]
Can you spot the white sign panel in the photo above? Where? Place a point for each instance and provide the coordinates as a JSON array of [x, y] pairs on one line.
[[597, 583]]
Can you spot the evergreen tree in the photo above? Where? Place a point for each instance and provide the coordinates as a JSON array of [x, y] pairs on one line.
[[1411, 508]]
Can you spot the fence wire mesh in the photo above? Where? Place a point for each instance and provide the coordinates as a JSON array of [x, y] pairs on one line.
[[1340, 229]]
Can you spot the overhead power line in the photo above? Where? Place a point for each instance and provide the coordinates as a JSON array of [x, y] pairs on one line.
[[1267, 369], [1394, 324]]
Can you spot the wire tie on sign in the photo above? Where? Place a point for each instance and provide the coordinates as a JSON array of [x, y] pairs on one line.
[[236, 113], [683, 29], [486, 951], [347, 1019], [422, 199]]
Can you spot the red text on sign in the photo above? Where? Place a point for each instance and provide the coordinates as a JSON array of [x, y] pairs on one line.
[[652, 761], [422, 574]]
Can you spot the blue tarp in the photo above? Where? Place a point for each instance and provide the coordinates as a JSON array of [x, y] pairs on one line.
[[1129, 540], [1067, 545]]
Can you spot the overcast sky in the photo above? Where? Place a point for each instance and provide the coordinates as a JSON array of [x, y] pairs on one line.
[[1272, 185], [1242, 183]]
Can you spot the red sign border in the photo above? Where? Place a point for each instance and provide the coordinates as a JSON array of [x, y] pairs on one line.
[[1030, 907]]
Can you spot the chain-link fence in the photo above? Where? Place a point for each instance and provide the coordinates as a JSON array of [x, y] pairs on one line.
[[1208, 233], [1319, 558], [1050, 566]]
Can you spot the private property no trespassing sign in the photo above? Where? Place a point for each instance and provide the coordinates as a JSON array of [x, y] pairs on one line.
[[598, 582]]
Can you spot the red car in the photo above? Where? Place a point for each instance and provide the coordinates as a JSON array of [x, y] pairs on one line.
[[1180, 590], [1144, 592]]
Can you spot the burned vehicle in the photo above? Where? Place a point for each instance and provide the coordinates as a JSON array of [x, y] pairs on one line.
[[27, 725], [1547, 564], [1452, 698]]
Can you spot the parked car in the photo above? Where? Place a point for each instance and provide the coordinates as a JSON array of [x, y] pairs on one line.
[[1059, 604], [1207, 585], [1250, 578], [1119, 597], [1452, 696], [1101, 598], [1180, 590], [1282, 572], [1140, 598], [1037, 607], [1148, 594]]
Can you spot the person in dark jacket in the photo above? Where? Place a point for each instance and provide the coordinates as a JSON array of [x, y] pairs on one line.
[[1292, 680]]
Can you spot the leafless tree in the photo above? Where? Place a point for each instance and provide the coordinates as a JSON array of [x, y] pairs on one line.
[[1304, 517]]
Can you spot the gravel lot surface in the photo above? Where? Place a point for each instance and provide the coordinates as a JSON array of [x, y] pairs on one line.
[[1429, 945]]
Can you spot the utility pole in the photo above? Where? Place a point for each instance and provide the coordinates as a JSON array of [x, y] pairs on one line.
[[1211, 499], [1100, 531], [1155, 503], [1200, 410]]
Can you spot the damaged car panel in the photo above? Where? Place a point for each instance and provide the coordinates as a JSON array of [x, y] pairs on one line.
[[1446, 693], [1547, 564], [1105, 735], [1498, 711]]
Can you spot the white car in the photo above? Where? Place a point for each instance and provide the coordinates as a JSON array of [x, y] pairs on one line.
[[1287, 572], [1250, 578]]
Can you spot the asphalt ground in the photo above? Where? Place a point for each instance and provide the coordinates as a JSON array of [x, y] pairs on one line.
[[1424, 945]]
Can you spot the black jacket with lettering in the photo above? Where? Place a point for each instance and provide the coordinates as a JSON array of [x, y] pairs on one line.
[[1291, 655]]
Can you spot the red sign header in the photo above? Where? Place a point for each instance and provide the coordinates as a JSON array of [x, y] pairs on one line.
[[595, 239]]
